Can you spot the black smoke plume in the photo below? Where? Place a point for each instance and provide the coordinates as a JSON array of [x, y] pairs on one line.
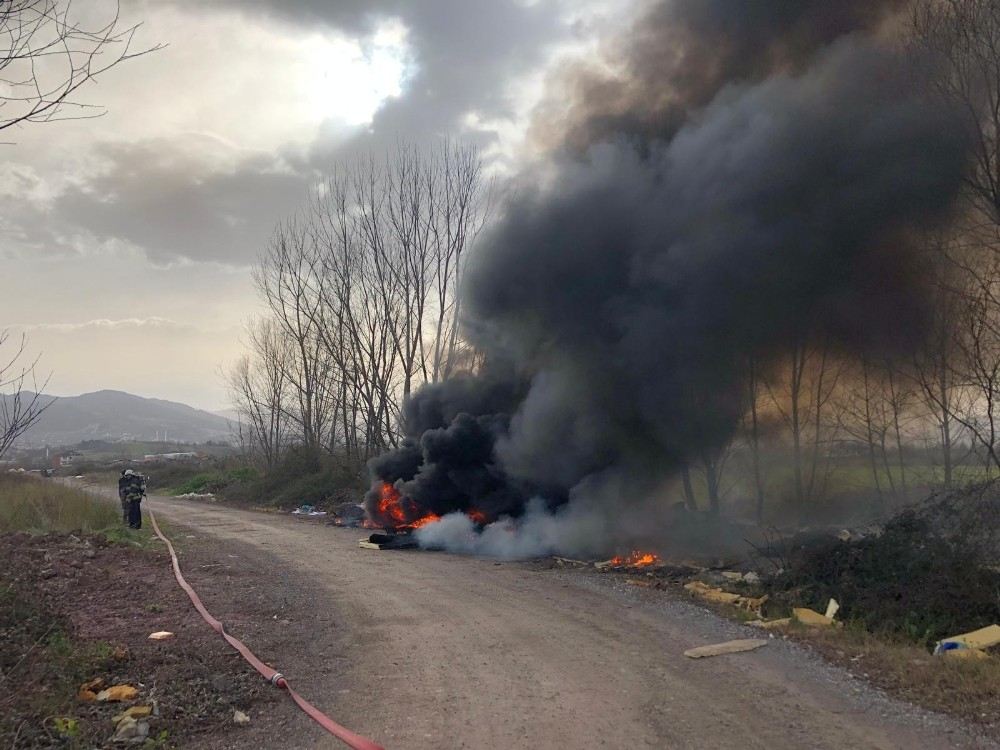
[[763, 180]]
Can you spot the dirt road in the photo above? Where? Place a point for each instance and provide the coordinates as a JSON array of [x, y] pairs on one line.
[[427, 650]]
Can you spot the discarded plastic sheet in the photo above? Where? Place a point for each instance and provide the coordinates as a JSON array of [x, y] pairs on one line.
[[958, 651], [130, 731], [160, 635], [240, 718], [812, 618], [832, 607], [987, 637], [308, 510], [117, 693], [729, 647]]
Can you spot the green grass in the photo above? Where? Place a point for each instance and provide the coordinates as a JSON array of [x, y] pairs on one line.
[[215, 481], [41, 506]]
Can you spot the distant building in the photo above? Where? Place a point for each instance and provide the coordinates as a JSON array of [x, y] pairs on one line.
[[150, 457], [66, 459]]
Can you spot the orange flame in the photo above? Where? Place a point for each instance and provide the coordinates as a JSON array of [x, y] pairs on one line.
[[390, 505], [401, 512], [396, 511], [429, 518], [636, 559]]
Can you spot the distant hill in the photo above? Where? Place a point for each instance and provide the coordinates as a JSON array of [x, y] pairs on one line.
[[115, 415]]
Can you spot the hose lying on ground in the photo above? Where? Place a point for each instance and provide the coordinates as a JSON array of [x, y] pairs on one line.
[[273, 676]]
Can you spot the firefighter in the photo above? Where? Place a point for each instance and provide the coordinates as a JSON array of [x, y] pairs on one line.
[[122, 484], [135, 489]]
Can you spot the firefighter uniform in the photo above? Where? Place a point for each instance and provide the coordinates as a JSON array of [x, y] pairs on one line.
[[122, 483], [135, 488]]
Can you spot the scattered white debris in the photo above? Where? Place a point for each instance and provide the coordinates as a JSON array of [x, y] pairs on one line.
[[831, 608]]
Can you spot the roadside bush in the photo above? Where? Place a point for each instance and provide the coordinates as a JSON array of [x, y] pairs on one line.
[[218, 481], [927, 576], [303, 477]]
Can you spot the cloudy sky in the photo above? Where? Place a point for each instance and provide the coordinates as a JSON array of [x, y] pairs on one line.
[[127, 240]]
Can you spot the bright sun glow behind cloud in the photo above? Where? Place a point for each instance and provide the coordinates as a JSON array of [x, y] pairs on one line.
[[346, 79]]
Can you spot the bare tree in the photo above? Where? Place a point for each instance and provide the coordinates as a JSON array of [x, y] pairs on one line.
[[259, 390], [962, 37], [712, 462], [19, 408], [364, 285], [47, 54], [871, 411], [290, 280], [937, 371], [755, 388], [811, 381], [960, 378], [463, 203], [690, 501], [979, 345], [360, 311]]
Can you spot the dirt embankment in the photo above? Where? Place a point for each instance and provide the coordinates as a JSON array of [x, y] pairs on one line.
[[76, 609]]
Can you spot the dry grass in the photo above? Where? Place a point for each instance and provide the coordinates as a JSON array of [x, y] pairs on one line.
[[42, 506], [960, 687]]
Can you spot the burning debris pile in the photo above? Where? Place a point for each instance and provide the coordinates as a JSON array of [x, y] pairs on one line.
[[755, 175], [635, 560]]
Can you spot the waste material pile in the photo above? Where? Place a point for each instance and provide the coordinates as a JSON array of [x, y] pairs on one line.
[[931, 573]]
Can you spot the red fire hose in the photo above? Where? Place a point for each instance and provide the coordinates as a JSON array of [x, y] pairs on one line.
[[273, 676]]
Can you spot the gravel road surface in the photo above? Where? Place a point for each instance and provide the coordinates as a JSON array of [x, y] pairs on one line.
[[427, 650]]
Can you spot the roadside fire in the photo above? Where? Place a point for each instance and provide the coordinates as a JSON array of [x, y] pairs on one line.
[[397, 513], [633, 560], [636, 559]]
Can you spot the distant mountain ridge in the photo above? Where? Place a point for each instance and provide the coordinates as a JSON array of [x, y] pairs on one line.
[[116, 415]]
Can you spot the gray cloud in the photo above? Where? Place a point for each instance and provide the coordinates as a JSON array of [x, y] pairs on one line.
[[184, 198], [189, 196], [465, 53]]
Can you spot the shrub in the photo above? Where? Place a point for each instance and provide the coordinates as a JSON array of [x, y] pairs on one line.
[[303, 477], [918, 578]]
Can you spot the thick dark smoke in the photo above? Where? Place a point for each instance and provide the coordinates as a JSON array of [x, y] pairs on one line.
[[681, 53], [773, 199]]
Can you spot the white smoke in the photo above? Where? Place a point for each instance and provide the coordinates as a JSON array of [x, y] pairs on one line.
[[582, 528], [538, 532]]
